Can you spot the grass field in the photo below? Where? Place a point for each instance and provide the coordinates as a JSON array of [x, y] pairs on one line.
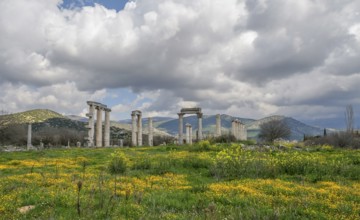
[[203, 181]]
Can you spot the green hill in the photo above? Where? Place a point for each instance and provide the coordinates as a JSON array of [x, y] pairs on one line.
[[32, 116]]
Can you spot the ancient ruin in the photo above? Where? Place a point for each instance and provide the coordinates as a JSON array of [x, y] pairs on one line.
[[98, 130], [184, 111], [238, 129], [136, 129]]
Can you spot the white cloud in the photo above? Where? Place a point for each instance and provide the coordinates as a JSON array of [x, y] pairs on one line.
[[246, 57]]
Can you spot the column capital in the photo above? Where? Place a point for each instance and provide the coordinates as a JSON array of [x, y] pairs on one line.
[[199, 115], [188, 125], [181, 114]]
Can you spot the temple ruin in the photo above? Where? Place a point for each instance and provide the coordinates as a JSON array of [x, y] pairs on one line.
[[184, 111], [97, 131], [238, 129]]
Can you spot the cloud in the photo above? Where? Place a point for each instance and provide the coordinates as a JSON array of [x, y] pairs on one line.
[[242, 57]]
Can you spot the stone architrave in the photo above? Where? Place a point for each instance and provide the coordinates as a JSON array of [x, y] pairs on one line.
[[107, 127], [136, 130], [99, 110], [29, 145], [151, 139], [218, 126], [184, 111], [181, 138]]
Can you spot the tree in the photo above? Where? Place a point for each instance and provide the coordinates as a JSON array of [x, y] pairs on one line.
[[271, 130]]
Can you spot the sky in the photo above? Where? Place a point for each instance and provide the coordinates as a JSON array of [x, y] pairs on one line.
[[247, 58]]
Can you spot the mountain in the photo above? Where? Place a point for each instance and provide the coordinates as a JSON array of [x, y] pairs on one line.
[[298, 129], [32, 116], [41, 118], [77, 118]]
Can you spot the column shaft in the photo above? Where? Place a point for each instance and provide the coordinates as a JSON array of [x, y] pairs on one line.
[[99, 127], [29, 137], [133, 130], [107, 128], [190, 135], [200, 136], [139, 130], [180, 142], [151, 139], [233, 128], [187, 133], [218, 126], [91, 131]]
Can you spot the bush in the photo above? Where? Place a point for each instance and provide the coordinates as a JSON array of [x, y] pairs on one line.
[[118, 163]]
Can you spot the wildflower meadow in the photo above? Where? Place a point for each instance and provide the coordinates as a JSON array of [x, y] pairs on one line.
[[203, 181]]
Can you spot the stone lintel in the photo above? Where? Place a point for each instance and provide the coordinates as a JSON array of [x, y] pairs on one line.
[[135, 112], [96, 104], [190, 110]]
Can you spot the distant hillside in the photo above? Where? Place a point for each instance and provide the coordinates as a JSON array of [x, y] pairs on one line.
[[32, 116], [77, 118], [298, 129]]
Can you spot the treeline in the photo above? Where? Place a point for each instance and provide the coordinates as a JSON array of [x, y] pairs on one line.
[[50, 136]]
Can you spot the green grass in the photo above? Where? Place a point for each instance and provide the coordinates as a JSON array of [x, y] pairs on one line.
[[204, 181]]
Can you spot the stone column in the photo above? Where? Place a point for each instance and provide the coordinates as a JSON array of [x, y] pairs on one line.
[[29, 145], [98, 126], [133, 130], [91, 131], [218, 126], [151, 139], [107, 128], [187, 129], [236, 129], [200, 136], [190, 135], [181, 115], [243, 132], [233, 128], [139, 125]]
